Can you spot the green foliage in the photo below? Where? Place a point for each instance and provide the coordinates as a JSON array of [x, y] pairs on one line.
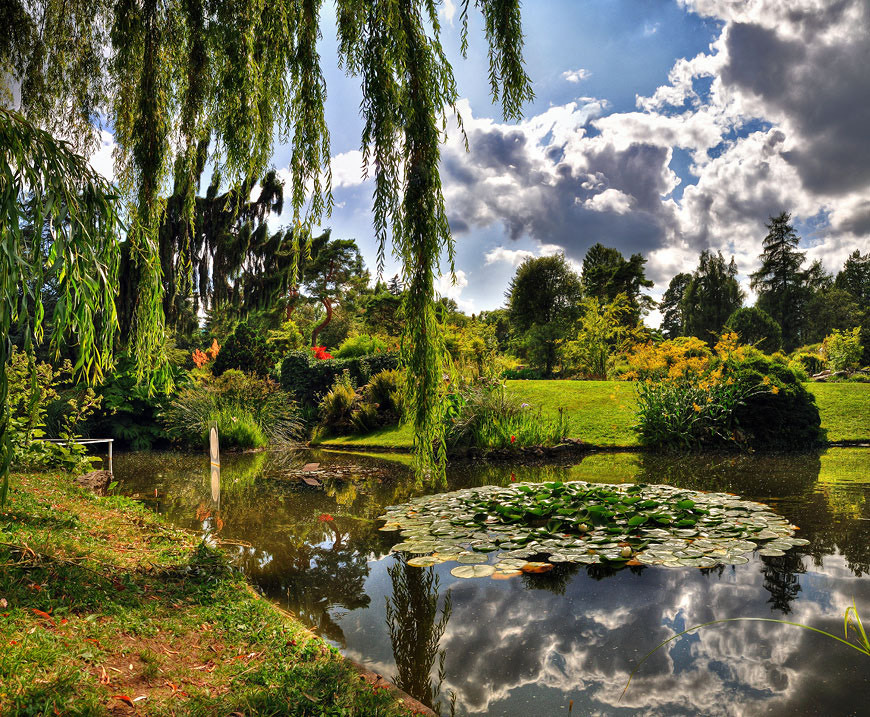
[[779, 281], [309, 379], [542, 301], [483, 414], [811, 362], [739, 397], [360, 345], [601, 332], [129, 411], [607, 274], [287, 338], [59, 226], [757, 327], [710, 297], [250, 412], [521, 374], [671, 307], [843, 349], [33, 387], [347, 409], [247, 350]]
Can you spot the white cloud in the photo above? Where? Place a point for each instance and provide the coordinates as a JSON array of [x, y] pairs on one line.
[[445, 285], [577, 75], [101, 160], [610, 200], [651, 28], [514, 257], [449, 10]]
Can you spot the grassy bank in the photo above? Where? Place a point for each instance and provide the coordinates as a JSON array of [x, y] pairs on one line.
[[104, 610], [602, 412]]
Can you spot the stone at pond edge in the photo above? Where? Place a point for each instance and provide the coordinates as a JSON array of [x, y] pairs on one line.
[[97, 481]]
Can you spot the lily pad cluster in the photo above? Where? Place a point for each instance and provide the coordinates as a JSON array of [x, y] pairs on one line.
[[528, 527]]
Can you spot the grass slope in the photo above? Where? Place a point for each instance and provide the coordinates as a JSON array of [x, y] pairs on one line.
[[845, 410], [105, 610], [602, 412]]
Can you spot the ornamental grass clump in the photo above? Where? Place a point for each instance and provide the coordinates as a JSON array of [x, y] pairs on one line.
[[733, 396], [249, 412], [482, 414]]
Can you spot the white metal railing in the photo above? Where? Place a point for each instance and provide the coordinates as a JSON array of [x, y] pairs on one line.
[[84, 442]]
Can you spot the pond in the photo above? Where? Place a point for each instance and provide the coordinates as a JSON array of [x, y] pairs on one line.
[[533, 644]]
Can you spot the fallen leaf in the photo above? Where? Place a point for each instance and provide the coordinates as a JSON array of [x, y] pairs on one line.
[[3, 604], [43, 615], [123, 698], [311, 481], [308, 467]]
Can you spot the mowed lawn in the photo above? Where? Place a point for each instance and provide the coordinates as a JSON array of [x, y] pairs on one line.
[[602, 412]]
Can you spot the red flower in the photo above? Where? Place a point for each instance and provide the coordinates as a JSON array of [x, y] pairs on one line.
[[513, 439], [513, 478], [320, 353], [325, 518]]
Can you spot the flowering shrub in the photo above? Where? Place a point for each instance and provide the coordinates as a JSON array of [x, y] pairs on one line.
[[320, 353], [731, 396], [679, 358], [201, 358], [843, 349]]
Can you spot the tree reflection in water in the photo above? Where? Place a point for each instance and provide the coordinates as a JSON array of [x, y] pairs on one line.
[[416, 630]]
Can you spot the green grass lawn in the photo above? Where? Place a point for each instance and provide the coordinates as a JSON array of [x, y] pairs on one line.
[[107, 610], [845, 410], [602, 412]]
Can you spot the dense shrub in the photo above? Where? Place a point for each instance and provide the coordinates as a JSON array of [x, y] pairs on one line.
[[308, 380], [812, 363], [755, 326], [521, 374], [736, 397], [360, 345], [679, 358], [347, 409], [484, 415], [247, 350], [843, 349], [250, 412]]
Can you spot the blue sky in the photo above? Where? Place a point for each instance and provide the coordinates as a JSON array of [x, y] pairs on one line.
[[663, 127]]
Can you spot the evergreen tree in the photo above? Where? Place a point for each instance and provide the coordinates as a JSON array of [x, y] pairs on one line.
[[671, 306], [855, 277], [607, 273], [779, 281], [710, 297]]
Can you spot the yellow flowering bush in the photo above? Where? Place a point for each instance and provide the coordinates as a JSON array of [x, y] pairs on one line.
[[689, 396]]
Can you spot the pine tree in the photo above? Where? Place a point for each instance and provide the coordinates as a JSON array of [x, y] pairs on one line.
[[779, 281], [671, 306], [711, 297]]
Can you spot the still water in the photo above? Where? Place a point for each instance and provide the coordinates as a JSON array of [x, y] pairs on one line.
[[529, 645]]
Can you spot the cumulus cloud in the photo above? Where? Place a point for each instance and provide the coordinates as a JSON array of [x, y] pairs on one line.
[[773, 117], [575, 76]]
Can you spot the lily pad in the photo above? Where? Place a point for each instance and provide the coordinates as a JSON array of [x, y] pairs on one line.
[[472, 571]]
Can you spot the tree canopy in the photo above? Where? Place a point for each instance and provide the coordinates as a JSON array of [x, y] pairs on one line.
[[543, 300], [711, 296], [172, 74], [607, 273]]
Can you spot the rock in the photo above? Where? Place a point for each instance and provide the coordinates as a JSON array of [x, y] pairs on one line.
[[97, 481]]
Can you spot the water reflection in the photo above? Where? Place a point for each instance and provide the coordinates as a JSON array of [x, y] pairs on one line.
[[416, 629], [528, 645]]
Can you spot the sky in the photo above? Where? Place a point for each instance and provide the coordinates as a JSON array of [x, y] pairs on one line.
[[663, 127]]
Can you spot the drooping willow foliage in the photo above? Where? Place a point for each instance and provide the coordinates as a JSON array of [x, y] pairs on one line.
[[239, 74], [57, 224]]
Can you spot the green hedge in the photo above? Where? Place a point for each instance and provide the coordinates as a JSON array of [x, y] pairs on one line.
[[309, 379]]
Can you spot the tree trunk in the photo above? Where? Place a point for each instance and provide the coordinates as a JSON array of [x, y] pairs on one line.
[[328, 304]]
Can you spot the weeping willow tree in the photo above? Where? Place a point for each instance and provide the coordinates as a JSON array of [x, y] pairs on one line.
[[174, 74], [58, 225]]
